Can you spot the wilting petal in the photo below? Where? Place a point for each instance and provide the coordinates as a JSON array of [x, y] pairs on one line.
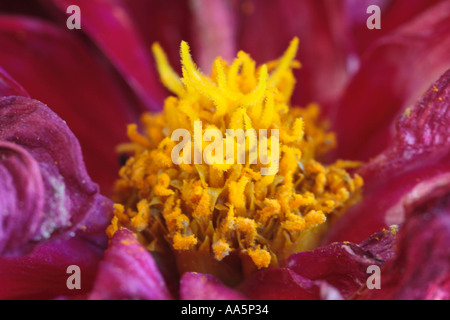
[[421, 268], [417, 162], [56, 68], [385, 85], [128, 271], [43, 274], [9, 87], [114, 31], [344, 265], [71, 199], [21, 198], [199, 286]]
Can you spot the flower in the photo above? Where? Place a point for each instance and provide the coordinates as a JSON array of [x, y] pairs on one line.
[[405, 183], [230, 204]]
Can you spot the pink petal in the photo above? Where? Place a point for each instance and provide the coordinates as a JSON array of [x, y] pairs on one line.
[[128, 271], [421, 268], [216, 28], [198, 286], [393, 75], [54, 67], [411, 168], [43, 274], [49, 154]]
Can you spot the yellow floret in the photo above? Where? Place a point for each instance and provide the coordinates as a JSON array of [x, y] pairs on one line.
[[217, 210]]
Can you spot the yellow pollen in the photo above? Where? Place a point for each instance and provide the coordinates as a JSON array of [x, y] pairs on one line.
[[221, 209]]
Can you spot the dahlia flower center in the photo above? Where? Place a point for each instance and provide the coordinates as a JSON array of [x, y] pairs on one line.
[[217, 216]]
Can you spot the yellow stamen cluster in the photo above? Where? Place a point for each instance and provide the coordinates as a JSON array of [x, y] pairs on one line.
[[222, 209]]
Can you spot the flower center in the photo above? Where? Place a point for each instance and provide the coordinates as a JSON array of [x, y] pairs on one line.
[[215, 214]]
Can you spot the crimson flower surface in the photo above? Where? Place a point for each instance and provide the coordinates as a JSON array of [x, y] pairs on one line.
[[66, 97]]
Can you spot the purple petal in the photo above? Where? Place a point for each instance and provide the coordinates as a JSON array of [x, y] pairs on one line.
[[9, 87], [56, 68], [71, 202], [128, 271], [198, 286], [421, 268], [415, 164], [21, 198], [43, 274]]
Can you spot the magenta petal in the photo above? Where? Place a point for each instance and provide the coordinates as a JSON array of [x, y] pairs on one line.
[[9, 87], [112, 28], [198, 286], [344, 265], [421, 268], [415, 164], [128, 271], [43, 274], [56, 68], [21, 198], [57, 175], [393, 75]]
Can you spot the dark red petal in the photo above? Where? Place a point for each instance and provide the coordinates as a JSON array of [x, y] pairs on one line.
[[43, 274], [344, 265], [112, 28], [285, 284], [421, 268], [71, 200], [56, 68], [199, 286], [393, 75], [167, 22], [394, 13], [128, 271], [9, 87], [267, 27], [21, 198], [417, 161]]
